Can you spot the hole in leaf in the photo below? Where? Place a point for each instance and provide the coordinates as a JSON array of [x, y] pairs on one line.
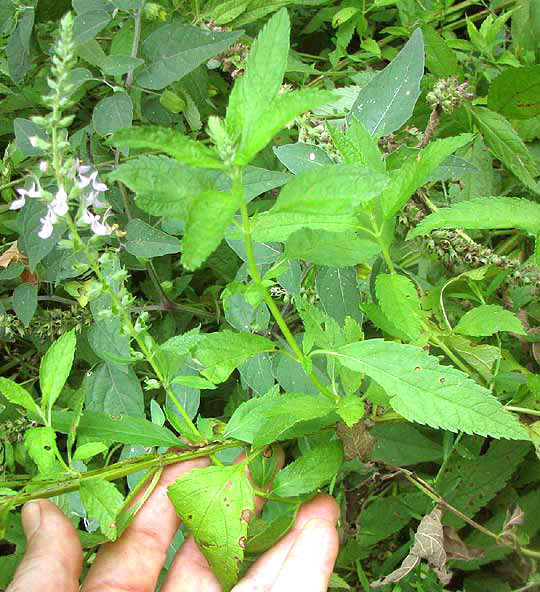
[[418, 368], [242, 542], [46, 447], [442, 379]]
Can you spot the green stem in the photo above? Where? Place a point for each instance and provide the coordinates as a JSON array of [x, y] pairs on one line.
[[535, 412], [255, 275], [127, 320], [116, 471]]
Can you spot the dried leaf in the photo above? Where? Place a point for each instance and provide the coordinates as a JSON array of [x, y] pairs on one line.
[[428, 545], [357, 441], [12, 254], [456, 549], [515, 519]]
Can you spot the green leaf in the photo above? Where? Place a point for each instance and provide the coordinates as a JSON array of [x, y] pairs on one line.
[[102, 502], [274, 417], [169, 141], [304, 203], [216, 504], [441, 61], [162, 184], [114, 389], [487, 319], [86, 451], [146, 241], [55, 368], [403, 444], [387, 102], [339, 294], [281, 111], [123, 429], [117, 65], [112, 113], [207, 217], [193, 382], [12, 271], [416, 171], [426, 392], [279, 226], [220, 353], [88, 24], [484, 212], [479, 356], [108, 342], [262, 534], [358, 146], [515, 93], [469, 484], [300, 157], [16, 394], [25, 129], [41, 446], [399, 301], [25, 301], [380, 320], [310, 471], [174, 50], [257, 373], [253, 92], [351, 409], [505, 144], [342, 249], [18, 54]]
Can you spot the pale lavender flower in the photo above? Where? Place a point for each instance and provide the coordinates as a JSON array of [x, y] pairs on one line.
[[59, 205], [34, 191], [97, 225], [47, 225], [84, 180]]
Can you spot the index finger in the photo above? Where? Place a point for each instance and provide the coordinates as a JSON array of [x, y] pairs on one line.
[[134, 561]]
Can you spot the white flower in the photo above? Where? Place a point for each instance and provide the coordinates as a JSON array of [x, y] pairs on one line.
[[47, 225], [59, 205], [43, 166], [34, 191], [98, 227], [84, 181], [92, 199]]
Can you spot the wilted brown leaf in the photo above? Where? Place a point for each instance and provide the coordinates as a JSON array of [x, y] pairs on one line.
[[456, 549], [12, 254], [357, 441], [428, 545]]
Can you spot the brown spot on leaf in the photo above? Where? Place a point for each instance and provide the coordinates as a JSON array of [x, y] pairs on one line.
[[418, 368], [442, 379], [246, 515], [357, 441], [242, 542], [228, 485], [268, 452]]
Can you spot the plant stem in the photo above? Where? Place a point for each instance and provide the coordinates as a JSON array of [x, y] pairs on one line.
[[522, 410], [127, 320], [255, 275], [116, 471]]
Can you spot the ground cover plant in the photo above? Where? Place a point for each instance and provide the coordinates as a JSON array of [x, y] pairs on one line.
[[248, 225]]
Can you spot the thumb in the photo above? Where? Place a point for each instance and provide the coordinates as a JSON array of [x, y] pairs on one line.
[[53, 557]]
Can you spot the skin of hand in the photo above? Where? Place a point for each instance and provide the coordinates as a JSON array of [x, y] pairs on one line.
[[302, 560]]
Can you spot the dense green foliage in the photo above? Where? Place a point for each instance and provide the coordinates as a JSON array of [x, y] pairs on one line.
[[232, 225]]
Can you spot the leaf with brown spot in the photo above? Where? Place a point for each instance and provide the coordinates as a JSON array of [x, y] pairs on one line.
[[456, 549], [216, 501], [12, 254]]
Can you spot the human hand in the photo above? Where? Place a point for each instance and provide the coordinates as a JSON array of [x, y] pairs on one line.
[[302, 560]]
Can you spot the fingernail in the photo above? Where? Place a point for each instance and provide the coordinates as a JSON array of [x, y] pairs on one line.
[[31, 518]]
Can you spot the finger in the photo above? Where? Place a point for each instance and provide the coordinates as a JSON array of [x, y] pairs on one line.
[[311, 559], [134, 561], [189, 570], [53, 558], [264, 572]]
